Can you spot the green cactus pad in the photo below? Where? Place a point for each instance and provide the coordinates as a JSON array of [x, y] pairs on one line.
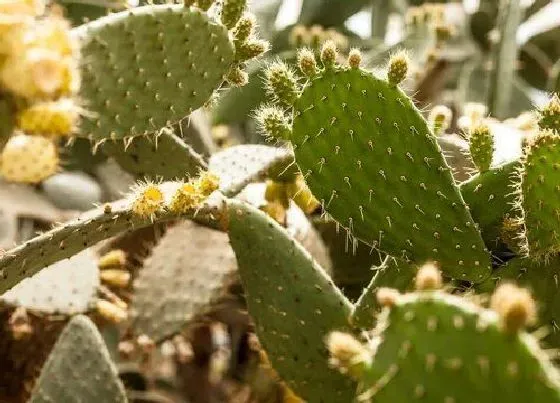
[[74, 236], [540, 187], [150, 66], [368, 155], [490, 197], [66, 287], [392, 273], [240, 165], [293, 302], [189, 270], [79, 369], [435, 347], [166, 157]]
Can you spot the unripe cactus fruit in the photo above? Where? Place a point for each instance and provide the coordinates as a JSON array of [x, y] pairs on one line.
[[281, 83], [110, 311], [272, 122], [39, 73], [115, 278], [550, 115], [515, 306], [250, 49], [428, 278], [148, 200], [329, 53], [112, 259], [347, 354], [237, 77], [398, 68], [208, 183], [354, 58], [440, 119], [245, 27], [53, 118], [28, 159], [481, 146], [185, 198], [231, 12], [306, 62]]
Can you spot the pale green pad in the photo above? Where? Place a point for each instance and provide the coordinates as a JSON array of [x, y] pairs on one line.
[[368, 155], [188, 271], [79, 369], [293, 302], [148, 67], [67, 287], [240, 165], [439, 348]]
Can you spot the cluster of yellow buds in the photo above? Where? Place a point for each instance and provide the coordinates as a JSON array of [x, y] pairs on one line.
[[150, 199], [39, 74], [315, 36]]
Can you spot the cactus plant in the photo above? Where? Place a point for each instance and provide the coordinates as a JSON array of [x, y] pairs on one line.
[[312, 268]]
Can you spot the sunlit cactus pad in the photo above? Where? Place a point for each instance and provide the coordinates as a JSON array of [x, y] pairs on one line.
[[149, 66], [369, 156]]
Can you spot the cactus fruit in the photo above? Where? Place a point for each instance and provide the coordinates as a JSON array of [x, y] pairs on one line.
[[293, 302], [194, 52], [550, 114], [440, 119], [481, 145], [67, 287], [181, 280], [538, 188], [28, 159], [348, 124], [453, 344], [53, 118], [79, 354], [398, 68], [240, 165]]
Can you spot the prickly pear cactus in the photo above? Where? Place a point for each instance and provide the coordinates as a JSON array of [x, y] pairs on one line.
[[80, 355], [369, 157], [452, 344], [151, 66], [293, 301], [539, 185]]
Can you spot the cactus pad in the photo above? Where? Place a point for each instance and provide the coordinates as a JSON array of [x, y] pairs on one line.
[[79, 368], [369, 156], [240, 165], [490, 196], [293, 302], [540, 185], [148, 67], [188, 270], [440, 348], [66, 287], [166, 157]]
